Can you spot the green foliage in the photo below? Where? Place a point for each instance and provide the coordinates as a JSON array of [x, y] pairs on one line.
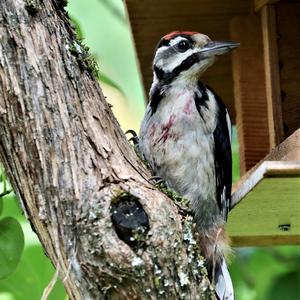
[[87, 60], [34, 271], [81, 51], [11, 234], [286, 286], [103, 78], [77, 27], [11, 245], [5, 187], [1, 205], [235, 156], [260, 273], [110, 41], [31, 277]]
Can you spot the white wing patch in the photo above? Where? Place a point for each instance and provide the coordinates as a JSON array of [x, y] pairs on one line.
[[228, 125]]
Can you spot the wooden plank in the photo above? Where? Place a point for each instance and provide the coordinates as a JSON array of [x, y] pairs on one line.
[[271, 63], [267, 168], [249, 91], [288, 150], [288, 27], [187, 7], [269, 212], [267, 197], [266, 240], [258, 4]]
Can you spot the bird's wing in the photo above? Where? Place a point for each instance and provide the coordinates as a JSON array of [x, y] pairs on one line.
[[223, 160]]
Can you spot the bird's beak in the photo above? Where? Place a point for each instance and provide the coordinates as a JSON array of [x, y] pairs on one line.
[[217, 48]]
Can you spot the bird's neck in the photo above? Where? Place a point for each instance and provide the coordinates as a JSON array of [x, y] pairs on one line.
[[160, 89]]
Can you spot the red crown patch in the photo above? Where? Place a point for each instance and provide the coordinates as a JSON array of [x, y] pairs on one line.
[[175, 33]]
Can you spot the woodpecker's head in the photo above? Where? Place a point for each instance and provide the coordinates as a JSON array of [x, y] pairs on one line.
[[185, 54]]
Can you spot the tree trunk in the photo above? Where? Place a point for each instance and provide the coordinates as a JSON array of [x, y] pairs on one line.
[[71, 167]]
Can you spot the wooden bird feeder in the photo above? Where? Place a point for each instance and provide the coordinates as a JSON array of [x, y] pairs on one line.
[[260, 84]]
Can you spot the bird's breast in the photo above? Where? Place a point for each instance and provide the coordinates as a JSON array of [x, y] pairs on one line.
[[178, 146]]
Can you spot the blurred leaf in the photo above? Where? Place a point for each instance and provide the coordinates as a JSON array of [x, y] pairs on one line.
[[11, 245], [5, 187], [235, 167], [254, 270], [2, 174], [263, 267], [114, 10], [235, 156], [286, 254], [11, 207], [1, 206], [110, 82], [102, 77], [286, 286], [31, 277]]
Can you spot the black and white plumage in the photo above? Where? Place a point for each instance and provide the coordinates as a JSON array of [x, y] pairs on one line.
[[185, 137]]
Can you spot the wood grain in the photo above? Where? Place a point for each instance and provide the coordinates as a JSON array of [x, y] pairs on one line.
[[288, 150], [265, 240], [288, 28], [258, 4], [271, 62], [249, 91]]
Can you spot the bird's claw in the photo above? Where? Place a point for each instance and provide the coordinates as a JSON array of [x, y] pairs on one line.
[[134, 138], [183, 209], [157, 180]]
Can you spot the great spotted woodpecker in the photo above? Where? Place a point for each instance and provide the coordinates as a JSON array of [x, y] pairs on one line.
[[186, 138]]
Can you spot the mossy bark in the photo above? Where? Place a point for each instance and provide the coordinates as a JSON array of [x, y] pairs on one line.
[[67, 159]]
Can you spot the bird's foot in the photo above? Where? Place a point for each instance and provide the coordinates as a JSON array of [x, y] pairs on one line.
[[157, 181], [134, 139]]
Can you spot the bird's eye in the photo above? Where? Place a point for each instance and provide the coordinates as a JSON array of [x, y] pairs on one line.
[[182, 46]]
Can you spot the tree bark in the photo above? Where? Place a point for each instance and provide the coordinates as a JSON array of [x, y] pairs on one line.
[[69, 163]]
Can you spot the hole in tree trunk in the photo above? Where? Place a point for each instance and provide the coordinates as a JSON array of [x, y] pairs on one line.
[[130, 220]]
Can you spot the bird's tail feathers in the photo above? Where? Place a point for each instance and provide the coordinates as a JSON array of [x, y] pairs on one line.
[[215, 246], [222, 281]]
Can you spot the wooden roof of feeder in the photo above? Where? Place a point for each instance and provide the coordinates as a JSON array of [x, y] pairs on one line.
[[259, 84]]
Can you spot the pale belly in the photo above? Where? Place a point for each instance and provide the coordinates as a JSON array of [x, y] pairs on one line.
[[180, 149]]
